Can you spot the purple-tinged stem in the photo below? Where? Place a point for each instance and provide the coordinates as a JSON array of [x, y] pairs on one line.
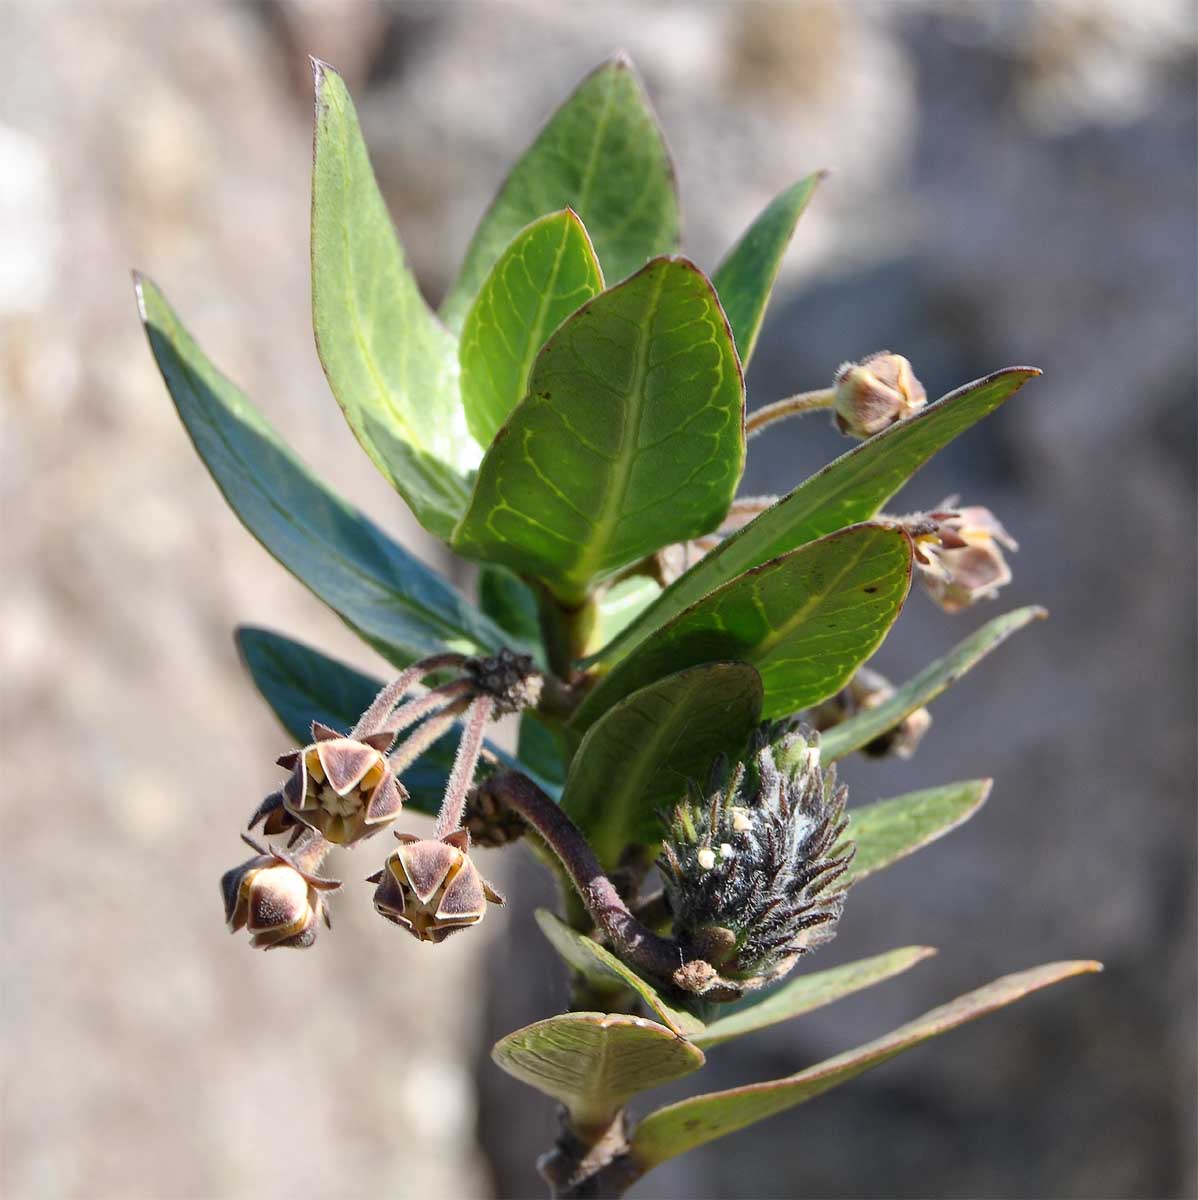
[[462, 776], [374, 719], [431, 701], [637, 945]]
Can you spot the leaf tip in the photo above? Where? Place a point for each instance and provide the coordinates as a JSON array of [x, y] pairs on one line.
[[620, 60]]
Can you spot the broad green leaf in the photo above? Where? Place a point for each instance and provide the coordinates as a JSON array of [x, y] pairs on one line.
[[631, 437], [853, 488], [861, 729], [301, 685], [673, 1130], [637, 758], [602, 967], [540, 279], [390, 362], [389, 596], [745, 279], [594, 1062], [806, 621], [602, 155], [510, 603], [806, 993], [622, 603], [888, 830]]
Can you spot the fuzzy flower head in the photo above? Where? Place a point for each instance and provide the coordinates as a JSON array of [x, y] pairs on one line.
[[751, 870], [964, 563], [875, 393]]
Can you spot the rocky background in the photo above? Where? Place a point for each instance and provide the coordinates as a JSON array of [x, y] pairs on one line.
[[1012, 182]]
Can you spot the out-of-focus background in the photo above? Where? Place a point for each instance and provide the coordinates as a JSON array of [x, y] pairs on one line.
[[1012, 182]]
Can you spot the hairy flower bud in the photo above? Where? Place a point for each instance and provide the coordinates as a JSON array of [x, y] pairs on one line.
[[489, 821], [341, 786], [875, 393], [967, 564], [749, 869], [276, 900], [866, 690], [430, 887]]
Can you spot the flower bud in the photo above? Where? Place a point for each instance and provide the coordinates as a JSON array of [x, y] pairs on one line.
[[341, 786], [489, 821], [749, 869], [867, 689], [430, 887], [875, 393], [967, 564], [274, 899]]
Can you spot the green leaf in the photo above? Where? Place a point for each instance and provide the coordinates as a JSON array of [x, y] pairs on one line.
[[853, 488], [888, 830], [745, 279], [301, 685], [673, 1130], [622, 603], [540, 747], [594, 1063], [806, 621], [510, 603], [540, 279], [390, 362], [603, 968], [389, 596], [806, 993], [861, 729], [631, 437], [639, 756], [602, 155]]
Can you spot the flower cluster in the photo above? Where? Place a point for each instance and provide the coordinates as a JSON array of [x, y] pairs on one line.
[[752, 869]]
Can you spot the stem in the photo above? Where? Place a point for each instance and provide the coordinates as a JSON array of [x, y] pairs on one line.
[[462, 775], [639, 946], [565, 632], [372, 720], [431, 701], [408, 752], [792, 406], [309, 852]]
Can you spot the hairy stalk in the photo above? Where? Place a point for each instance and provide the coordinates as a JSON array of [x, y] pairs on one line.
[[406, 753], [374, 719], [640, 947], [792, 406], [464, 764], [433, 700]]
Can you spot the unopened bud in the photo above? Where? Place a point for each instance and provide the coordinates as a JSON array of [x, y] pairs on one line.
[[430, 887], [511, 679], [275, 900], [875, 393], [341, 786]]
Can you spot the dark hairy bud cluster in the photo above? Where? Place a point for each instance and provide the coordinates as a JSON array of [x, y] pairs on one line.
[[752, 868], [511, 679]]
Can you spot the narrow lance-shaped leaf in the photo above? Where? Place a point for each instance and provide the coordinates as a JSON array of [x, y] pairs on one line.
[[806, 621], [853, 488], [888, 830], [638, 758], [622, 603], [631, 437], [798, 996], [547, 272], [745, 279], [602, 155], [390, 362], [870, 723], [384, 593], [600, 966], [594, 1063], [673, 1130]]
